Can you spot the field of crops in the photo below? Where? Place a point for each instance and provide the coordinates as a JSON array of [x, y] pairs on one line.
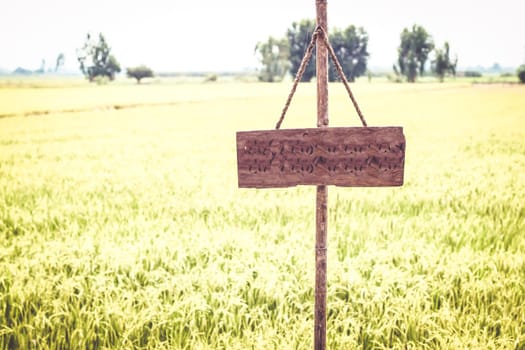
[[122, 227]]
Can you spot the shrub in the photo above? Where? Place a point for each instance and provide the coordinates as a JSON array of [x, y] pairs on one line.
[[472, 74], [139, 73], [521, 73], [101, 79], [211, 78]]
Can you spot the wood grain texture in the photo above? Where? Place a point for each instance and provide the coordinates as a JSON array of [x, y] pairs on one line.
[[321, 212], [352, 157]]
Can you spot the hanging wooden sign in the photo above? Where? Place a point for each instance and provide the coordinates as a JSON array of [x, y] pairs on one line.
[[364, 157], [359, 156]]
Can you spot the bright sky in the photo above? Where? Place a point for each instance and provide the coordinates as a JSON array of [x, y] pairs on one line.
[[212, 35]]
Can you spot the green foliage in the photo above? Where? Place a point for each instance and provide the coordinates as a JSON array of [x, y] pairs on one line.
[[473, 74], [273, 55], [521, 73], [299, 37], [413, 52], [96, 60], [350, 47], [442, 64], [139, 73]]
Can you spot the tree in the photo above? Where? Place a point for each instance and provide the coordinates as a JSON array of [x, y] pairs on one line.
[[96, 60], [273, 55], [299, 37], [22, 71], [442, 63], [60, 61], [413, 51], [521, 73], [350, 47], [139, 73]]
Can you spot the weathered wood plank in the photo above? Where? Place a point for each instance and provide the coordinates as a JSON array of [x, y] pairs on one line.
[[357, 156]]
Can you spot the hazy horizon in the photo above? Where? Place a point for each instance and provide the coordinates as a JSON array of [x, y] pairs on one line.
[[207, 35]]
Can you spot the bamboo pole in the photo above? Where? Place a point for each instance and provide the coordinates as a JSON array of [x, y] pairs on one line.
[[322, 191]]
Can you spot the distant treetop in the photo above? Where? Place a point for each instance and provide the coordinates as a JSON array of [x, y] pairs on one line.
[[139, 73], [96, 60]]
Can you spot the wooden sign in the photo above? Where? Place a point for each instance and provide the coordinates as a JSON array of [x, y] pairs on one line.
[[371, 156]]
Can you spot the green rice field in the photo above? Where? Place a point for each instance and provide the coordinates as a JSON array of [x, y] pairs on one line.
[[122, 226]]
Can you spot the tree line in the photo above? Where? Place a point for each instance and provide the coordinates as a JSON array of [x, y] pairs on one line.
[[279, 57], [97, 62]]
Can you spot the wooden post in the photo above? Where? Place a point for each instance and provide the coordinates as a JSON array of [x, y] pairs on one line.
[[322, 191], [322, 156]]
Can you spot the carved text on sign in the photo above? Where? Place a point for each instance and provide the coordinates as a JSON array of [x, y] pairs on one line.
[[322, 156]]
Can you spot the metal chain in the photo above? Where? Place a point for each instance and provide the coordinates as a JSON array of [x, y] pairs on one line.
[[308, 54]]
